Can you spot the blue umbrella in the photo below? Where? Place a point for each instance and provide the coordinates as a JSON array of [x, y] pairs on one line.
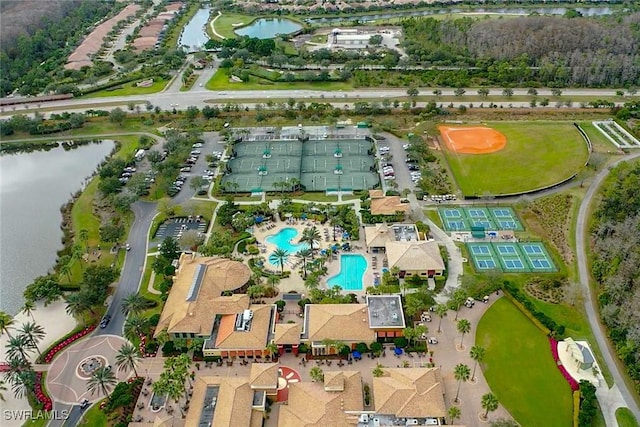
[[345, 235], [356, 354], [259, 219], [334, 248], [304, 216], [398, 351], [323, 252]]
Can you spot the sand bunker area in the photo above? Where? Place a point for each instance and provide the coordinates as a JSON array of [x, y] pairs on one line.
[[472, 139]]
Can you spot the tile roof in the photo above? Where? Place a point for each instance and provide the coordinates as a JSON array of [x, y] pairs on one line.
[[343, 322], [287, 333], [388, 205], [420, 255], [233, 406], [378, 235], [310, 405], [191, 307], [334, 381], [264, 376], [409, 392], [255, 338]]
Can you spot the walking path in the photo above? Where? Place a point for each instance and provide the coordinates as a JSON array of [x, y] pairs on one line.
[[619, 395], [212, 24]]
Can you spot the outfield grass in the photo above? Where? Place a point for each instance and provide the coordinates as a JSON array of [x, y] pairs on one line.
[[130, 89], [220, 81], [520, 369], [537, 154], [625, 418]]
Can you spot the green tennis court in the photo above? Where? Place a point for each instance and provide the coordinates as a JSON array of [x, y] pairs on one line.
[[511, 257], [490, 218], [315, 165]]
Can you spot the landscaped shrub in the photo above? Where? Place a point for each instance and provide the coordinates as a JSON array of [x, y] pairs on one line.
[[168, 349], [67, 340], [400, 342], [588, 404], [153, 320], [376, 347], [546, 321], [362, 347]]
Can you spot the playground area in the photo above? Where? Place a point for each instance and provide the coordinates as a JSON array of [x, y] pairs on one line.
[[511, 257], [490, 218], [473, 140], [310, 165]]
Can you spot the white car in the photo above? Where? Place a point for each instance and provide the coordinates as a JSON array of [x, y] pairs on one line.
[[432, 340], [389, 177], [197, 145], [405, 146]]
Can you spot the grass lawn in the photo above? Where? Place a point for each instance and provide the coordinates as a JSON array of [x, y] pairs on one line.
[[224, 24], [130, 89], [600, 143], [625, 418], [94, 416], [537, 154], [220, 81], [520, 369]]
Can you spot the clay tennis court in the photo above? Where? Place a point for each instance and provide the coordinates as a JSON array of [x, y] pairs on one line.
[[472, 140]]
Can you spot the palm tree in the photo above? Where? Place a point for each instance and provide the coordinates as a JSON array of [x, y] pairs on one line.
[[135, 327], [28, 308], [464, 326], [441, 311], [135, 303], [273, 280], [102, 380], [83, 236], [477, 354], [304, 255], [280, 257], [316, 374], [23, 383], [454, 414], [489, 403], [3, 387], [272, 349], [377, 371], [77, 304], [33, 333], [128, 358], [311, 236], [6, 322], [256, 292], [462, 373], [18, 347]]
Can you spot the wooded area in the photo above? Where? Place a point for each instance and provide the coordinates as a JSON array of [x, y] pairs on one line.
[[616, 249], [553, 51]]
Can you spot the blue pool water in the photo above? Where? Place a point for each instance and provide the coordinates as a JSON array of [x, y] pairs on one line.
[[283, 240], [352, 268]]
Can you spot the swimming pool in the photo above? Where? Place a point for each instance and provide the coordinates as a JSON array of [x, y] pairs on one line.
[[283, 238], [352, 268]]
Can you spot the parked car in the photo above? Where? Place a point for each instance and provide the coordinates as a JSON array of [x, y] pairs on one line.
[[432, 340], [185, 169]]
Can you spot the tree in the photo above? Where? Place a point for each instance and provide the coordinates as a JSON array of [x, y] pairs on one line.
[[43, 288], [377, 371], [272, 350], [461, 373], [279, 257], [410, 334], [413, 92], [111, 233], [117, 115], [457, 299], [459, 91], [135, 304], [197, 182], [454, 414], [6, 322], [477, 353], [3, 387], [136, 327], [311, 236], [441, 311], [18, 347], [508, 92], [437, 92], [77, 304], [464, 326], [556, 92], [304, 255], [489, 403], [169, 249], [256, 292], [23, 383], [128, 358], [532, 92], [102, 381], [316, 374], [33, 334], [375, 40], [483, 92]]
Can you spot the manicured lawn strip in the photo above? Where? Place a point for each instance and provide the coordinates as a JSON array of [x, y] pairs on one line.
[[94, 416], [131, 89], [537, 154], [625, 418], [224, 24], [144, 288], [520, 369], [599, 142], [433, 215], [220, 81]]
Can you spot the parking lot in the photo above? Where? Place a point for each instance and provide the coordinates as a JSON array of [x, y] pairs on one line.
[[395, 157]]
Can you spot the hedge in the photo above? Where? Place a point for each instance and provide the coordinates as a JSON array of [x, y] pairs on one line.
[[541, 320], [87, 329], [576, 408]]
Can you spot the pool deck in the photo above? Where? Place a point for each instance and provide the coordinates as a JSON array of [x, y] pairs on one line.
[[295, 281]]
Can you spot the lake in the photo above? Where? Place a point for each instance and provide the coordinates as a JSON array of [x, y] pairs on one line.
[[194, 35], [264, 28], [33, 187]]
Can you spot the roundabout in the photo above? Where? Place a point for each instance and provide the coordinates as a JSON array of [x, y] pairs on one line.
[[72, 368]]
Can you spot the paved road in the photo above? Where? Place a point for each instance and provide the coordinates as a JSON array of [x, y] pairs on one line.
[[590, 303], [198, 96]]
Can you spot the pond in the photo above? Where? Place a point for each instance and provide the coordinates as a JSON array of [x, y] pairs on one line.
[[268, 28], [33, 187], [194, 34]]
